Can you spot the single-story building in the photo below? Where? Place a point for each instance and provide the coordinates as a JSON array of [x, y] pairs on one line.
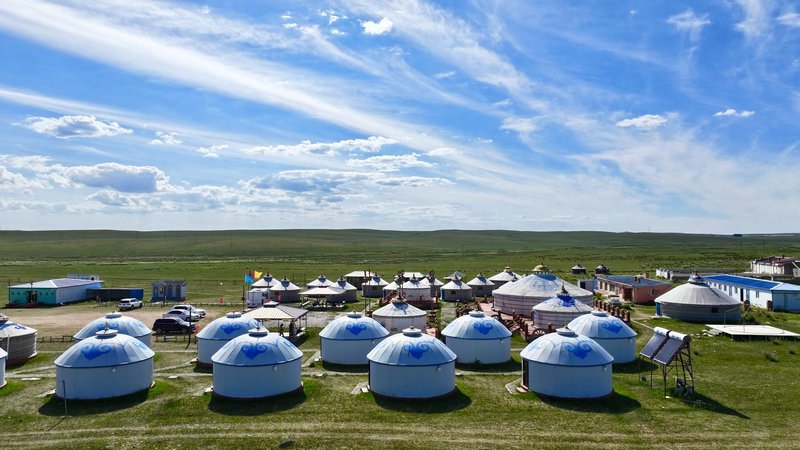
[[169, 290], [57, 291], [770, 295], [775, 265], [115, 294], [632, 288]]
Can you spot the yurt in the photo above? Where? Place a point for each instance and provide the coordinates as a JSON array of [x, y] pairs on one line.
[[398, 315], [696, 301], [219, 332], [477, 339], [611, 333], [481, 286], [412, 365], [527, 292], [392, 287], [416, 289], [456, 290], [17, 340], [267, 281], [578, 269], [507, 275], [567, 365], [321, 281], [116, 321], [256, 365], [559, 310], [434, 285], [110, 364], [349, 294], [373, 288], [3, 357], [285, 292], [348, 339], [602, 270]]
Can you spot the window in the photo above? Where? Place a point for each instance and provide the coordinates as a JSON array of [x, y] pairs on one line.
[[756, 294]]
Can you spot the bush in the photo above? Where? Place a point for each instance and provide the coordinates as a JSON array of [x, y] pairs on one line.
[[792, 351], [771, 356]]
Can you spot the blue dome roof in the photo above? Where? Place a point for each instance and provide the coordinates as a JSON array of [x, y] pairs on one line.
[[258, 347], [105, 349], [353, 327], [411, 348], [601, 325], [116, 321], [477, 326], [228, 327], [566, 348]]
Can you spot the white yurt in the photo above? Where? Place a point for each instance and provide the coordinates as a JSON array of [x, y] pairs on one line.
[[285, 292], [348, 339], [321, 281], [522, 295], [398, 315], [349, 294], [219, 332], [110, 364], [434, 285], [412, 365], [373, 288], [3, 357], [477, 339], [506, 276], [481, 286], [17, 340], [267, 281], [392, 287], [696, 301], [611, 333], [559, 310], [416, 289], [116, 321], [456, 290], [567, 365], [256, 365]]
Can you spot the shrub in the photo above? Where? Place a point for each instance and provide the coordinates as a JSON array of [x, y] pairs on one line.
[[771, 356]]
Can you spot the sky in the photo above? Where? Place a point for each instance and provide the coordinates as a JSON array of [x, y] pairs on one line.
[[405, 115]]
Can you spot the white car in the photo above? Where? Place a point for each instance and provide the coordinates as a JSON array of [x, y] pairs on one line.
[[192, 309], [129, 303], [182, 314]]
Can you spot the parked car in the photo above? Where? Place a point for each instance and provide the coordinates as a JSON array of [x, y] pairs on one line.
[[195, 310], [129, 303], [173, 325], [183, 315]]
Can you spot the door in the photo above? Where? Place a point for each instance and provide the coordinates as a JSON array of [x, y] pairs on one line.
[[525, 372]]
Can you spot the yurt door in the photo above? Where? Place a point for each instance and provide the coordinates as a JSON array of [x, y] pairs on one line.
[[525, 372]]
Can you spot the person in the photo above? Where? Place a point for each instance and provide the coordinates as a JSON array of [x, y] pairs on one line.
[[280, 330], [291, 328]]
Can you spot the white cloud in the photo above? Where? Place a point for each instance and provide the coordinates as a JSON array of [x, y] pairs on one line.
[[17, 182], [647, 121], [337, 32], [290, 25], [503, 103], [689, 22], [286, 16], [444, 152], [443, 75], [371, 144], [126, 201], [521, 125], [633, 12], [375, 29], [205, 10], [730, 112], [166, 138], [389, 163], [791, 19], [213, 151], [757, 15], [66, 127], [119, 177]]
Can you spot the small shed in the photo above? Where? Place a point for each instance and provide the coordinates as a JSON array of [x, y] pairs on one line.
[[169, 290], [611, 333], [559, 310], [110, 364], [412, 365], [477, 339], [285, 292], [116, 321], [456, 291], [348, 338], [18, 340], [696, 301], [481, 286], [398, 315], [358, 277], [567, 365], [258, 364], [578, 269], [219, 332], [373, 288]]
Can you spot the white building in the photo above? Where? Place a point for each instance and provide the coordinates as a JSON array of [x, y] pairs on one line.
[[559, 310], [107, 365], [775, 265], [506, 276], [456, 290], [256, 365], [116, 321], [481, 286], [566, 365], [348, 339], [17, 340], [611, 333], [219, 332], [398, 315], [771, 295], [477, 339], [412, 365], [522, 295], [699, 301]]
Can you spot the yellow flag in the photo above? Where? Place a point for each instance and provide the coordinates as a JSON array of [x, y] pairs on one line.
[[258, 275]]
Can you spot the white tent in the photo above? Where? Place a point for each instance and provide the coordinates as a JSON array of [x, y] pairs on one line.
[[611, 333], [3, 357], [416, 289], [398, 315], [256, 365], [456, 290], [116, 321], [217, 333], [522, 295], [17, 340], [566, 365], [696, 301], [110, 364], [285, 292], [478, 339], [559, 310], [349, 292], [391, 287], [267, 281], [321, 281], [348, 339], [412, 365], [373, 287], [506, 276], [481, 286]]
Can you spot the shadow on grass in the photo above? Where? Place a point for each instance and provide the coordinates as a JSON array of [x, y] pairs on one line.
[[55, 406], [452, 402], [615, 403], [635, 366], [199, 368], [509, 366], [344, 368], [707, 404], [237, 407]]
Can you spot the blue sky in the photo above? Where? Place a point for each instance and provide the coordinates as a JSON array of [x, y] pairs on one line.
[[618, 116]]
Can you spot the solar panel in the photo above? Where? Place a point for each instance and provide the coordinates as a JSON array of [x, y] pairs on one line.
[[655, 343], [670, 348]]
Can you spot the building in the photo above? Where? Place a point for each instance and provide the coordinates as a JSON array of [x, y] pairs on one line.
[[681, 275], [358, 277], [373, 288], [775, 265], [412, 365], [116, 321], [416, 290], [481, 286], [285, 292], [58, 291], [770, 295], [699, 301], [348, 338], [219, 332], [506, 276], [602, 270], [349, 292], [631, 288], [611, 333], [257, 297], [267, 281], [321, 281], [456, 291], [258, 364], [578, 269], [108, 365], [522, 295], [477, 339], [392, 287], [567, 365], [398, 315], [115, 294], [17, 340], [168, 291], [559, 311]]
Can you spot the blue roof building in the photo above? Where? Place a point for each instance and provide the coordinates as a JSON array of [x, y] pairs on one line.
[[770, 295]]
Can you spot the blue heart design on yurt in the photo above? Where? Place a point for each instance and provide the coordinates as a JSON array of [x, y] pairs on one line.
[[484, 326], [92, 351], [580, 350], [356, 328], [229, 328], [416, 349], [614, 326], [252, 350]]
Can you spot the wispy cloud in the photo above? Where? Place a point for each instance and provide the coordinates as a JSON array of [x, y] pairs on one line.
[[369, 145], [390, 163], [757, 17], [646, 121], [443, 75], [213, 151], [790, 19], [730, 112], [67, 127], [166, 138], [523, 126], [690, 23]]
